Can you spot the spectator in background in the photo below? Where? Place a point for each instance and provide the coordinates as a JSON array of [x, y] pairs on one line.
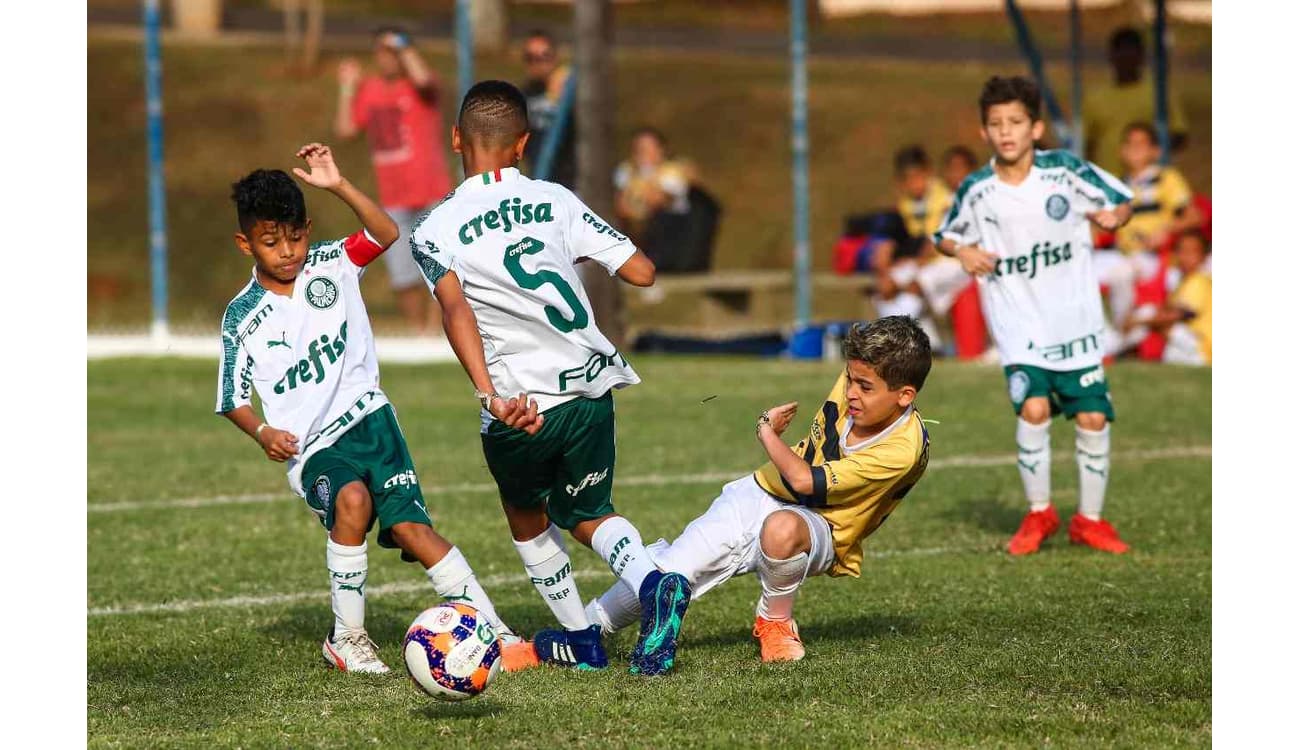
[[922, 198], [958, 161], [660, 205], [544, 90], [1162, 208], [1186, 318], [398, 110], [1129, 98]]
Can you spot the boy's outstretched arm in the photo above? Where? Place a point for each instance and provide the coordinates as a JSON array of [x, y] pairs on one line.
[[793, 468], [461, 326], [325, 174], [279, 445]]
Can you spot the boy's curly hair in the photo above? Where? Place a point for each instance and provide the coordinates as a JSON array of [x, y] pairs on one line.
[[268, 195]]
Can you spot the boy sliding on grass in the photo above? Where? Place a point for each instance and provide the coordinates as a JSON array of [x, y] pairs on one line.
[[298, 334], [809, 509], [1020, 225], [499, 254]]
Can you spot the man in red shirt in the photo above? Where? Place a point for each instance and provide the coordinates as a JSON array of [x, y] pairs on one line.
[[398, 111]]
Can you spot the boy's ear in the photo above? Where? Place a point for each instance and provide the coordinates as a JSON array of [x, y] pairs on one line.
[[906, 395], [520, 144], [455, 139], [241, 242], [1037, 130], [306, 227]]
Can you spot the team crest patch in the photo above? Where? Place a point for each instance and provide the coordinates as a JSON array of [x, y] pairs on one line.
[[322, 293], [1057, 206], [1018, 386], [322, 490]]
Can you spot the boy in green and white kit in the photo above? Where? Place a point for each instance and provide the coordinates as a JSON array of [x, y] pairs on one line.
[[1021, 226], [499, 254], [299, 335]]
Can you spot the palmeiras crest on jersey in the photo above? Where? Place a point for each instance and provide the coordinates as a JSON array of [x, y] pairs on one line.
[[1017, 387], [322, 490], [322, 293], [1057, 206]]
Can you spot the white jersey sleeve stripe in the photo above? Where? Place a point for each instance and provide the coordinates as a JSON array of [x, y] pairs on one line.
[[232, 347]]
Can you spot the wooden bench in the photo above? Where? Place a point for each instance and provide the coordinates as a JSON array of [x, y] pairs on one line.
[[735, 303]]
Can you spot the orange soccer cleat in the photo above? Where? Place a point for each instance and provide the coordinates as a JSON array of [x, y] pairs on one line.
[[1097, 534], [518, 656], [778, 640], [1037, 526]]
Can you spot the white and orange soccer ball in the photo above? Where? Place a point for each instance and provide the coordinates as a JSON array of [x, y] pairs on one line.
[[452, 652]]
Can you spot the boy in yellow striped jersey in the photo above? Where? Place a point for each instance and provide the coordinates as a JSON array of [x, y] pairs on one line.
[[807, 511]]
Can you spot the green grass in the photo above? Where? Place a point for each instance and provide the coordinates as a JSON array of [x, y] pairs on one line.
[[231, 109], [944, 641]]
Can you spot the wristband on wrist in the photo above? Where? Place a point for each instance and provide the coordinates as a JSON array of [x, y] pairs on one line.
[[257, 434], [763, 419], [485, 398]]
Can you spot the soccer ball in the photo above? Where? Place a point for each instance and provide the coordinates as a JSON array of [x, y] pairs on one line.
[[451, 652]]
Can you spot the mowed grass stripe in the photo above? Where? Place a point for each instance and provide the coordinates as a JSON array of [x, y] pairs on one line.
[[187, 605], [651, 480]]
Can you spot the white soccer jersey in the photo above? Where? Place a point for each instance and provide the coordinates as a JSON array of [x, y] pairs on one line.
[[512, 242], [1043, 302], [310, 356]]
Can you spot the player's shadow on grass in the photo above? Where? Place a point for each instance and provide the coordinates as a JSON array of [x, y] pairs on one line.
[[851, 628], [990, 513]]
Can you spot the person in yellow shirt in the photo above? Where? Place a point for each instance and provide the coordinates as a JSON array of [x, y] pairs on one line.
[[808, 510], [1129, 98], [1185, 318]]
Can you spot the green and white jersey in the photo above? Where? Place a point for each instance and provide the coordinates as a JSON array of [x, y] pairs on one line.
[[1043, 301], [512, 243], [309, 356]]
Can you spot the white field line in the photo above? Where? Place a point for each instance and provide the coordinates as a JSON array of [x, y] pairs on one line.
[[651, 480], [189, 605]]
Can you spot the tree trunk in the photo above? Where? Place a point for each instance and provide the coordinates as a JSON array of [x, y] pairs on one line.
[[593, 33], [312, 39], [491, 20]]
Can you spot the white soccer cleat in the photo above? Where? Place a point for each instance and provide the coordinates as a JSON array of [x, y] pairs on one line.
[[352, 651]]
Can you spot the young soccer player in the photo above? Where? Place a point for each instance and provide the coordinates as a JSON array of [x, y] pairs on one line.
[[499, 255], [1020, 225], [809, 509], [299, 335]]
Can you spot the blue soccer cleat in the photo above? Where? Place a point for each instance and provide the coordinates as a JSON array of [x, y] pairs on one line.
[[571, 648], [664, 598]]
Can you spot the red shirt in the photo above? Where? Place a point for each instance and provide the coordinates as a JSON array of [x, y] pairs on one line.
[[405, 132]]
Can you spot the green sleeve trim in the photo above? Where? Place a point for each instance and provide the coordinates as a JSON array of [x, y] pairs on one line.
[[236, 312], [1082, 169]]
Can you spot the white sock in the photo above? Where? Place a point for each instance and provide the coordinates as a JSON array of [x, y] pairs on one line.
[[347, 568], [1034, 460], [547, 563], [615, 609], [454, 581], [619, 544], [780, 581], [1092, 450]]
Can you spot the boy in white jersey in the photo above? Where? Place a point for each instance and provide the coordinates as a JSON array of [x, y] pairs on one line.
[[299, 335], [808, 510], [1020, 225], [499, 254]]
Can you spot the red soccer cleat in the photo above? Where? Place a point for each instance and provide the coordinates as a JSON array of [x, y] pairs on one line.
[[519, 656], [1097, 534], [1037, 526]]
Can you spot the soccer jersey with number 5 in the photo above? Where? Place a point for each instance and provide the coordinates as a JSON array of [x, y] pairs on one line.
[[512, 243], [1042, 300]]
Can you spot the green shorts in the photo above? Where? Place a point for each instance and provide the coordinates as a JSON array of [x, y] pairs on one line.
[[1069, 391], [567, 468], [372, 452]]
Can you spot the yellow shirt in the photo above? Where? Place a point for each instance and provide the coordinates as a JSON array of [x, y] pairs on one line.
[[1108, 109], [1193, 295], [1159, 193], [923, 217], [855, 488]]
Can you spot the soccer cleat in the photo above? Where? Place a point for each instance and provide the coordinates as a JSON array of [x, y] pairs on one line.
[[1037, 526], [571, 648], [778, 640], [1097, 534], [352, 651], [518, 656], [664, 599]]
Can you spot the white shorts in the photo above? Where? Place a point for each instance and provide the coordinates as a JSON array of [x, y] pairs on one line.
[[723, 542], [402, 270]]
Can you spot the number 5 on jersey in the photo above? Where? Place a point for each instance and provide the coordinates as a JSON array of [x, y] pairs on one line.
[[536, 280]]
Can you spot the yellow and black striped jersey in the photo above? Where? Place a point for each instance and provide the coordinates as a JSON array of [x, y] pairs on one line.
[[855, 487]]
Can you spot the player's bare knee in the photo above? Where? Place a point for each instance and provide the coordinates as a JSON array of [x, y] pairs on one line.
[[784, 535], [1036, 411], [1091, 420], [409, 534], [353, 501]]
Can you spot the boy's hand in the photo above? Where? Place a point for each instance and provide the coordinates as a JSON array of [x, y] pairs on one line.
[[975, 260], [324, 172], [280, 445], [1107, 221], [519, 413], [779, 417]]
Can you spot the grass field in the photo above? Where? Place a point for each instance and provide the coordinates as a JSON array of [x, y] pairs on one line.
[[208, 599]]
